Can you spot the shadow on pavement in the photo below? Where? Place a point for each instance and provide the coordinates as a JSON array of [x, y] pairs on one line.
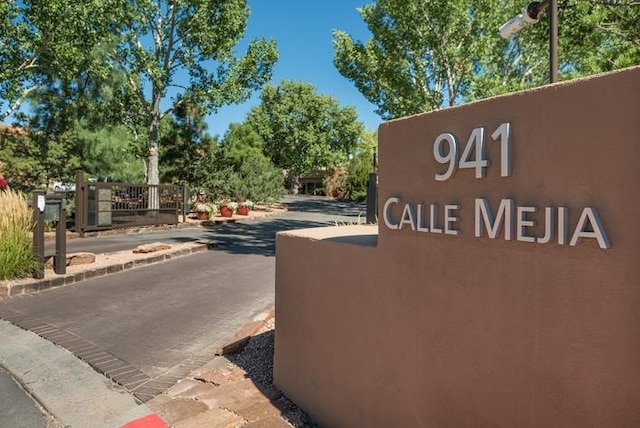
[[326, 206], [255, 238]]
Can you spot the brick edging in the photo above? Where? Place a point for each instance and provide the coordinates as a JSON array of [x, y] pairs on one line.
[[10, 290]]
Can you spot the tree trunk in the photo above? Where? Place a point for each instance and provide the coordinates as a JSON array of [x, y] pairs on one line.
[[295, 183], [153, 173]]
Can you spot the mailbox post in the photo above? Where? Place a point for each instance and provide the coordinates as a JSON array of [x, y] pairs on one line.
[[38, 232], [49, 208]]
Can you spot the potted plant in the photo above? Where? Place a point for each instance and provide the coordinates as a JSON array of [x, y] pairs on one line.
[[227, 208], [203, 210], [244, 207]]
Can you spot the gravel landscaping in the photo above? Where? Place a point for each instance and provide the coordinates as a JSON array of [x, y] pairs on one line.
[[257, 360]]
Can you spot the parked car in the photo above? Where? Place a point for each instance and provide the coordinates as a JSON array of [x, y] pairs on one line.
[[61, 186]]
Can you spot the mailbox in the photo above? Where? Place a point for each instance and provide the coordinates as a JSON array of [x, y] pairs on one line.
[[49, 208], [54, 210]]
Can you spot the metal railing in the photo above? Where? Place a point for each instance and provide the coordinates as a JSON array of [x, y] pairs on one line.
[[101, 206]]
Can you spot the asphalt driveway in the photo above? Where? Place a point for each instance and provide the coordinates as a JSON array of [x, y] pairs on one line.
[[158, 322]]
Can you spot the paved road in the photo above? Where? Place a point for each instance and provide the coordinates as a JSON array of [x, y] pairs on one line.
[[164, 320], [240, 237]]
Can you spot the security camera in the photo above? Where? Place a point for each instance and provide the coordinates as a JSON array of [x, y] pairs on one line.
[[530, 15]]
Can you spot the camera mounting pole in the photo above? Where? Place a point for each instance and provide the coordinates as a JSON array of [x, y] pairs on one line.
[[531, 15]]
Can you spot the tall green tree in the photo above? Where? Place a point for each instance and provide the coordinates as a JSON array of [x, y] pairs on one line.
[[240, 142], [54, 55], [419, 58], [304, 131], [361, 163], [184, 141], [185, 49], [45, 40], [21, 161], [425, 55]]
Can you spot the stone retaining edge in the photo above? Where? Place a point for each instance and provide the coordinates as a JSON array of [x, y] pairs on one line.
[[11, 290]]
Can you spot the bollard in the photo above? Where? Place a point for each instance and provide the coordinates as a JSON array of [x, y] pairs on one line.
[[372, 198]]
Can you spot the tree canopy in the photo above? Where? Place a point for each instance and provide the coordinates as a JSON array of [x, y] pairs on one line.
[[185, 49], [303, 131], [46, 40], [424, 54], [241, 142], [150, 57]]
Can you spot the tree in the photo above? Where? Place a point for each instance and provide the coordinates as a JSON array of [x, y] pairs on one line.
[[240, 142], [420, 56], [109, 152], [303, 131], [183, 142], [60, 53], [53, 55], [194, 38], [425, 55], [21, 160], [45, 40], [361, 164], [617, 22]]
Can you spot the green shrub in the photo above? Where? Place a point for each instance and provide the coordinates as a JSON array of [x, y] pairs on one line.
[[260, 181], [17, 259], [255, 179], [359, 195]]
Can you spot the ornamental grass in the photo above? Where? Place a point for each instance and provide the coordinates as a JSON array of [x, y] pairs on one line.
[[17, 259]]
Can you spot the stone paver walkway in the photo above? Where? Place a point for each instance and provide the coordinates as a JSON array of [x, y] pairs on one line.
[[223, 394]]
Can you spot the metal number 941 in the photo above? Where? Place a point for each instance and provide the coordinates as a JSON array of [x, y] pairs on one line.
[[446, 151]]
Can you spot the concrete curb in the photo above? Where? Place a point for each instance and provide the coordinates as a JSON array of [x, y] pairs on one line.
[[44, 369], [16, 289]]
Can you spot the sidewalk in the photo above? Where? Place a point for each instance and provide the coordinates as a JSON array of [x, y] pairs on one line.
[[45, 370], [219, 394]]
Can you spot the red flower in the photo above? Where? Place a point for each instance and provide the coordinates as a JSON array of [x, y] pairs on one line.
[[3, 183]]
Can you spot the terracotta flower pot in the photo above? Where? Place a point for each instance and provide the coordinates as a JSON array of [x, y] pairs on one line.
[[225, 211], [202, 215], [243, 210]]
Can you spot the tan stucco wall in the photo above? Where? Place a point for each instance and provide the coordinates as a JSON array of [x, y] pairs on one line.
[[429, 329]]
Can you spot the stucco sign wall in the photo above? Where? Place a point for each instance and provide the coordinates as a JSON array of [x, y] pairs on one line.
[[553, 168], [503, 289], [516, 221]]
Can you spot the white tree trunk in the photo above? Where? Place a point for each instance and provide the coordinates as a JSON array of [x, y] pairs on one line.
[[153, 172]]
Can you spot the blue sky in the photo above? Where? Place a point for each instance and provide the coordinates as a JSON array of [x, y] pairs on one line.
[[303, 32]]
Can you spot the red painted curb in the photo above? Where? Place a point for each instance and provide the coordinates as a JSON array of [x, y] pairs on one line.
[[149, 421]]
